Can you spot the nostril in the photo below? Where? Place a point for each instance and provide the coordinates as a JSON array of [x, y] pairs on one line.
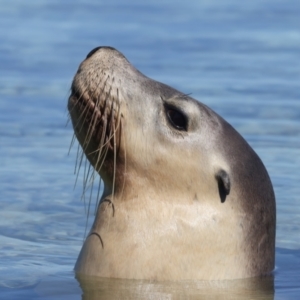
[[96, 49], [93, 51]]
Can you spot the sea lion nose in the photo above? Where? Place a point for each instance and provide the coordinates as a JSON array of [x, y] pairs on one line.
[[92, 52], [97, 48]]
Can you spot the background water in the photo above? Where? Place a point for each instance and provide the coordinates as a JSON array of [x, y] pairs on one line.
[[242, 58]]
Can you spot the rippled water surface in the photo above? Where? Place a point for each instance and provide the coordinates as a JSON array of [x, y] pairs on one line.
[[240, 58]]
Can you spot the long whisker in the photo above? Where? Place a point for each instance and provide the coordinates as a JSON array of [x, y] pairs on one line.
[[72, 143], [86, 177], [79, 97], [68, 119], [88, 211], [90, 132], [84, 112], [125, 162], [110, 136], [114, 149], [98, 195], [97, 119], [84, 185], [96, 113], [80, 154], [91, 128]]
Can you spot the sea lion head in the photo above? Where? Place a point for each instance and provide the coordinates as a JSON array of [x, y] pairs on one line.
[[159, 147]]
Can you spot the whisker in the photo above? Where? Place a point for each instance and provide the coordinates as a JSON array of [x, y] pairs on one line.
[[68, 119], [98, 235], [88, 211], [84, 112], [80, 154], [98, 195], [84, 91], [91, 128], [112, 205], [72, 143], [114, 149], [82, 198], [125, 163], [86, 176], [98, 119]]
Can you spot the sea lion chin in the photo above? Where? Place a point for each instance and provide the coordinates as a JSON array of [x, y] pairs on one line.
[[185, 196]]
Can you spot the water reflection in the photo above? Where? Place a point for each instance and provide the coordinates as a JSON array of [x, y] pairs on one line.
[[245, 289]]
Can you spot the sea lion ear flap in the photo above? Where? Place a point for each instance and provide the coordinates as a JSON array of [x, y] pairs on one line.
[[223, 180]]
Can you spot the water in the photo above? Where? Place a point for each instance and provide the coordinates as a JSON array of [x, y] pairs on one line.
[[240, 58]]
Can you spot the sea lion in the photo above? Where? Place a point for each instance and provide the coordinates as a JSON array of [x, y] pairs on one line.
[[185, 196]]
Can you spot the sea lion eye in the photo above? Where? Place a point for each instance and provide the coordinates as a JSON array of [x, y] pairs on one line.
[[176, 118]]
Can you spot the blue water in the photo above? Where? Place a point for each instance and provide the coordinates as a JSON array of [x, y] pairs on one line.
[[240, 58]]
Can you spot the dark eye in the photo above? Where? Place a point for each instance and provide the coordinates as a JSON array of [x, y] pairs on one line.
[[177, 119]]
